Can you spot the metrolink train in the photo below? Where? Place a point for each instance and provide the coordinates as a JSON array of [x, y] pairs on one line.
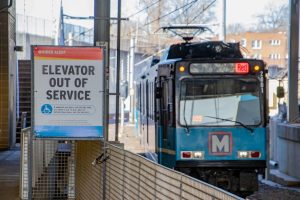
[[202, 111]]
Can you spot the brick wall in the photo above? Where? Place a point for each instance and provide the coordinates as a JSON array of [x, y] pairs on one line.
[[7, 77], [272, 54]]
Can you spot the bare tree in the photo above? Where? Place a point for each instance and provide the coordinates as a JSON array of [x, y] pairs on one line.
[[151, 15], [179, 12], [275, 18], [235, 28]]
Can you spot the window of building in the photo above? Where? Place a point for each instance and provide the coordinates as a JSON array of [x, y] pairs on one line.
[[274, 42], [256, 44], [244, 54], [257, 56], [274, 56], [243, 42]]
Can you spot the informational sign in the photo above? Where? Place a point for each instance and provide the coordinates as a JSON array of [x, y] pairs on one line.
[[68, 92]]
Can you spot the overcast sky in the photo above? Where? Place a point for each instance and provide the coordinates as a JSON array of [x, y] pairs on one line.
[[238, 11]]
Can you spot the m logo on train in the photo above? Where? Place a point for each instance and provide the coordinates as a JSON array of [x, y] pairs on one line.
[[220, 143]]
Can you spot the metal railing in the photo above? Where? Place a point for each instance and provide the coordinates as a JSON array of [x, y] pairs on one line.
[[83, 170], [131, 176]]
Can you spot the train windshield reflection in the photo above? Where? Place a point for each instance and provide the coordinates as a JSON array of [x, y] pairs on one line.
[[206, 102]]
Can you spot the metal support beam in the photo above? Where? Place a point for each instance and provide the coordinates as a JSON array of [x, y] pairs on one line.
[[102, 38], [293, 52], [118, 72], [130, 73], [102, 21]]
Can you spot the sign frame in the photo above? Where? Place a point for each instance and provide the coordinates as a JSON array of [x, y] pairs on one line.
[[101, 74]]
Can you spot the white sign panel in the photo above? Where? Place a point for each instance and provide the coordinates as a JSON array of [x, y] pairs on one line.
[[68, 92]]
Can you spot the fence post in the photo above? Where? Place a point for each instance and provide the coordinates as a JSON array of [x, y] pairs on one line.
[[30, 154], [23, 120], [104, 171], [24, 182]]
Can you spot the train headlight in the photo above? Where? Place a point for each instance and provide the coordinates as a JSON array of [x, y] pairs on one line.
[[198, 154], [181, 68], [243, 154], [256, 68]]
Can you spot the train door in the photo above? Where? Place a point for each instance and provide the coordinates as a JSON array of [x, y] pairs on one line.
[[164, 122]]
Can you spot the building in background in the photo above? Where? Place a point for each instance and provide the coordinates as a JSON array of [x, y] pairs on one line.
[[270, 47]]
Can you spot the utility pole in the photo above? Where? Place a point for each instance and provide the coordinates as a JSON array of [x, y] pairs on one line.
[[222, 34], [102, 38], [118, 71], [101, 22], [293, 52]]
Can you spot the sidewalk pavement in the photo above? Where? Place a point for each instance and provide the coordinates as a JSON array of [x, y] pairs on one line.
[[128, 137], [9, 174]]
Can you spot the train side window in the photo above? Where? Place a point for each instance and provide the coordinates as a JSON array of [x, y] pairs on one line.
[[147, 99], [142, 102], [165, 101], [144, 97], [152, 99], [151, 103], [170, 101], [139, 97]]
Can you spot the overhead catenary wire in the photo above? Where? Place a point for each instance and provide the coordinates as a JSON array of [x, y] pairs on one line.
[[165, 15], [203, 10], [146, 8], [186, 9]]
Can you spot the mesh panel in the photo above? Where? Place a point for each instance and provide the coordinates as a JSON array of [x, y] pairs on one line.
[[53, 169]]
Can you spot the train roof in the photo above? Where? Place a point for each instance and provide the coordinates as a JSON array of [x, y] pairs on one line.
[[211, 49]]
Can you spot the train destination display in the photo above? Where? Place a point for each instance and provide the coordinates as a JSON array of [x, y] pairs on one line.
[[68, 92]]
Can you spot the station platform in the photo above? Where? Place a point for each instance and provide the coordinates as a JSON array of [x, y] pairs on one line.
[[127, 137], [10, 174]]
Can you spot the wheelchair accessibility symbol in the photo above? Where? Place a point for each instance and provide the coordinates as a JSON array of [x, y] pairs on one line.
[[46, 109]]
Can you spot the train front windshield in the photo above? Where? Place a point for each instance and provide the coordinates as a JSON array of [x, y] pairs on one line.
[[220, 101]]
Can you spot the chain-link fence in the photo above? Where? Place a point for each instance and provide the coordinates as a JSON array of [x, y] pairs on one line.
[[92, 170]]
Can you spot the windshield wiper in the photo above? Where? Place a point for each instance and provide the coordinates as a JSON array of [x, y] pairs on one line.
[[240, 123]]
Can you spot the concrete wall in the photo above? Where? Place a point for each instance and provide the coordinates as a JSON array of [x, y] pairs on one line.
[[7, 78], [26, 40], [285, 147], [288, 151]]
